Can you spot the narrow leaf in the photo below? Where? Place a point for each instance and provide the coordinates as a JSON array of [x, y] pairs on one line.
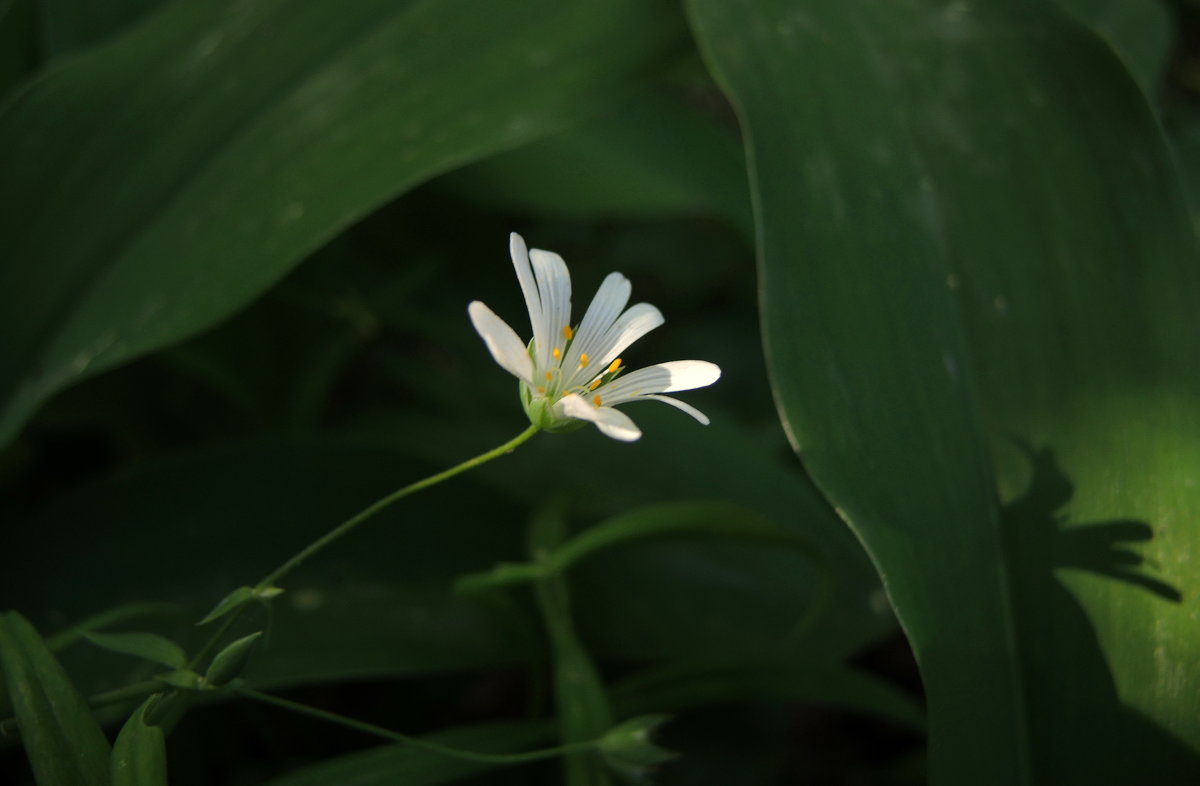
[[149, 646], [64, 743], [139, 756]]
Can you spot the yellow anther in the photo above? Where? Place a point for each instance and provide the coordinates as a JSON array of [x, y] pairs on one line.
[[595, 384], [596, 400], [583, 360], [614, 366], [549, 376], [568, 334], [541, 390], [557, 354]]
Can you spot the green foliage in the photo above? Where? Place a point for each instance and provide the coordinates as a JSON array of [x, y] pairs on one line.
[[994, 350], [240, 239]]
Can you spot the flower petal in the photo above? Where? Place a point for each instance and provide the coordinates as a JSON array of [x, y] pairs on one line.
[[682, 405], [611, 422], [636, 322], [606, 306], [554, 288], [520, 259], [662, 378], [502, 341]]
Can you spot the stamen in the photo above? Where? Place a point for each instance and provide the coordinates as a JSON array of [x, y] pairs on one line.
[[549, 376], [568, 334], [596, 400], [583, 360], [612, 369], [595, 383], [556, 352], [542, 391]]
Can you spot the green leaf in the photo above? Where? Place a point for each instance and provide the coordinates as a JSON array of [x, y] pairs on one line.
[[1141, 32], [980, 315], [139, 756], [64, 743], [391, 764], [202, 155], [142, 645], [122, 613], [651, 157]]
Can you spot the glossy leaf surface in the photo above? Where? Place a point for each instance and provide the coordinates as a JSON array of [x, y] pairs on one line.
[[979, 286], [200, 156]]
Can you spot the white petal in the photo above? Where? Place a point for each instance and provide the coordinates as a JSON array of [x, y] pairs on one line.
[[663, 378], [533, 302], [554, 288], [629, 327], [611, 422], [606, 306], [502, 342], [688, 408]]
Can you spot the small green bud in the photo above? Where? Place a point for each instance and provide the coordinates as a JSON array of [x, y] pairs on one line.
[[628, 750], [230, 661]]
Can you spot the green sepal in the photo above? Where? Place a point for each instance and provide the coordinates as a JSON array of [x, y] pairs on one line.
[[148, 646], [230, 661], [627, 747], [238, 598], [139, 756]]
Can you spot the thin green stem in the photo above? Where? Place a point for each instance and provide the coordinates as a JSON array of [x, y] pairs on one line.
[[445, 750], [395, 496]]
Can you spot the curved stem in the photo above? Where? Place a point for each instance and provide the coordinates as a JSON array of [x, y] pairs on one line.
[[445, 750], [354, 521]]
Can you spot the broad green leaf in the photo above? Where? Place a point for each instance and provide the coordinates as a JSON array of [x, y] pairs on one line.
[[142, 645], [391, 764], [1140, 31], [980, 314], [64, 743], [18, 42], [68, 25], [652, 156], [139, 756], [122, 613], [200, 156]]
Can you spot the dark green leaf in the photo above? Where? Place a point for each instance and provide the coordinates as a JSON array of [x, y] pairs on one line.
[[64, 743], [201, 156], [142, 645], [653, 156], [139, 756], [392, 764], [980, 313]]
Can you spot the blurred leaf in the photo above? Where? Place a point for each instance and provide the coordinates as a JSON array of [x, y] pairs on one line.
[[63, 742], [73, 24], [680, 596], [1140, 31], [675, 687], [139, 756], [142, 645], [18, 43], [580, 697], [392, 764], [967, 287], [123, 613], [201, 156], [653, 156]]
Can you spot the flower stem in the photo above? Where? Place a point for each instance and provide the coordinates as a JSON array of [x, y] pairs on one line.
[[445, 750], [359, 518]]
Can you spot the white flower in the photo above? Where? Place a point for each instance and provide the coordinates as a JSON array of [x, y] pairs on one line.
[[573, 373]]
